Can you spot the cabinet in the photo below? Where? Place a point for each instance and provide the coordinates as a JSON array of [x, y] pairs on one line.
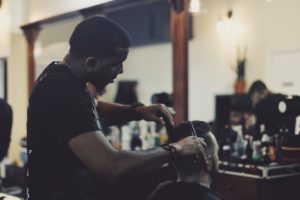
[[235, 187]]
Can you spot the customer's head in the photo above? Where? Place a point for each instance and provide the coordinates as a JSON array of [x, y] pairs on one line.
[[102, 46], [190, 166], [258, 91]]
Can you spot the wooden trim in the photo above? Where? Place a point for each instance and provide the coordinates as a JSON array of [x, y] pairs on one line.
[[4, 59], [40, 23], [5, 79], [31, 35], [180, 33], [31, 30], [114, 6]]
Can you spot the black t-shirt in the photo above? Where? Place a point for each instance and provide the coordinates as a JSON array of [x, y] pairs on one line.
[[59, 109], [183, 191]]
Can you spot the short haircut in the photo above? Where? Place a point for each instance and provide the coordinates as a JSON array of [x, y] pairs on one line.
[[184, 130], [97, 36], [257, 86]]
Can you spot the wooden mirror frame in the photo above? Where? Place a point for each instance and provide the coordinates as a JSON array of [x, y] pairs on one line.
[[179, 37]]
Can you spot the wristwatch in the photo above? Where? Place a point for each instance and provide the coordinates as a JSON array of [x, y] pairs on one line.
[[136, 105], [172, 150]]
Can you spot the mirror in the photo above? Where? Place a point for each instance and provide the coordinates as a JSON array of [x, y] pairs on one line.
[[150, 58]]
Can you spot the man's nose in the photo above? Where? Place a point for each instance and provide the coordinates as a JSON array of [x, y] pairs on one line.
[[120, 70]]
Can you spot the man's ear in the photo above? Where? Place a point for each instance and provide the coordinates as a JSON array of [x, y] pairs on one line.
[[90, 63]]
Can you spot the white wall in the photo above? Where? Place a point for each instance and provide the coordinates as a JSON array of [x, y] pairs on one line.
[[17, 92], [40, 9], [151, 66], [5, 20], [268, 27]]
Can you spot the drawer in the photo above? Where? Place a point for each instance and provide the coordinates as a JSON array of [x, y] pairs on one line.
[[236, 188]]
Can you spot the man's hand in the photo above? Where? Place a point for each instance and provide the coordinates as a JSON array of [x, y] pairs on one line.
[[190, 146], [155, 113]]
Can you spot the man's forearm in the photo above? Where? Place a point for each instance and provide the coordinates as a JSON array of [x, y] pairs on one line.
[[117, 114], [135, 162]]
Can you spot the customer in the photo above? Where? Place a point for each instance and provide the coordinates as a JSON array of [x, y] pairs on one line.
[[195, 173], [69, 157]]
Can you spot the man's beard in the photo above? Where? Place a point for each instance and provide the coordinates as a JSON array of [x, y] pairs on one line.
[[100, 91], [100, 87]]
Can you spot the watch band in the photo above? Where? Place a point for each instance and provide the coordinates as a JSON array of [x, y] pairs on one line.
[[172, 150], [136, 105]]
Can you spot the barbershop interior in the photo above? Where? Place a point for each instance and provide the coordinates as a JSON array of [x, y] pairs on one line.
[[219, 71]]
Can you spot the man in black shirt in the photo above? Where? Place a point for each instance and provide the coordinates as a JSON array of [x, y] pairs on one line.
[[195, 173], [69, 157]]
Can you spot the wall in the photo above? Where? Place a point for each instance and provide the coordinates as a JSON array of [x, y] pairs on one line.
[[17, 92], [40, 9], [151, 66], [5, 20], [265, 27]]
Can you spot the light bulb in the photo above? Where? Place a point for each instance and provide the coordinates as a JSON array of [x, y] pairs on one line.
[[195, 6]]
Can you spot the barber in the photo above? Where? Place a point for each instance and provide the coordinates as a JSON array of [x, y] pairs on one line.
[[69, 156]]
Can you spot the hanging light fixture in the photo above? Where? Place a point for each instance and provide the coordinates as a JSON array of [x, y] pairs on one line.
[[195, 6]]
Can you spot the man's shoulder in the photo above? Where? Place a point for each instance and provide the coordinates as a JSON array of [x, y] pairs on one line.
[[57, 71], [57, 79], [208, 194], [182, 190]]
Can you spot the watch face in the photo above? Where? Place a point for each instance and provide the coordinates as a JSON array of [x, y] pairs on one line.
[[172, 149]]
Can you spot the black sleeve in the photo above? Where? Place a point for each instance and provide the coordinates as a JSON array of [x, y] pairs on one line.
[[161, 192], [73, 115], [5, 128]]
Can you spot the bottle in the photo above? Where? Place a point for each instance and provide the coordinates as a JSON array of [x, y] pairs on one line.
[[249, 149], [256, 155], [125, 137], [239, 144], [226, 152], [271, 149], [265, 142], [115, 137], [135, 143], [262, 129], [277, 142], [155, 141], [145, 135], [163, 136]]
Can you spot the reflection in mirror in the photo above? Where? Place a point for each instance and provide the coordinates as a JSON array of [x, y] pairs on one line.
[[149, 65]]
